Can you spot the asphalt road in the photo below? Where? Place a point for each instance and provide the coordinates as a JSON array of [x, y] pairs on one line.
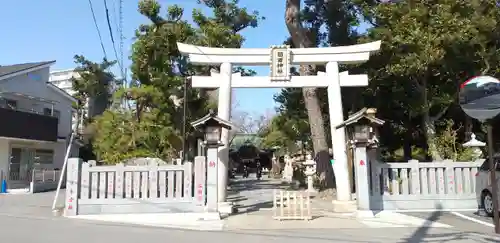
[[28, 218], [464, 221], [24, 229]]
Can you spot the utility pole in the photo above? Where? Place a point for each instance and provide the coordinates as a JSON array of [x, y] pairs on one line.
[[184, 120], [493, 176]]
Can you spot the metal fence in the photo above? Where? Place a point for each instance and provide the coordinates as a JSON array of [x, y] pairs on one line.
[[44, 179], [33, 180]]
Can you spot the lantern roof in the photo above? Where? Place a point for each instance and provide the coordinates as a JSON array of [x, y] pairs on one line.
[[363, 114], [473, 142], [211, 119]]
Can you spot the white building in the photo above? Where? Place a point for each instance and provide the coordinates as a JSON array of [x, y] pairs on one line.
[[62, 79], [36, 120]]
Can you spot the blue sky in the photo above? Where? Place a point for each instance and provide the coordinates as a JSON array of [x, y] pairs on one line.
[[59, 29]]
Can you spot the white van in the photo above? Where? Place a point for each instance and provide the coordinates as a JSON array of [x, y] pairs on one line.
[[483, 186]]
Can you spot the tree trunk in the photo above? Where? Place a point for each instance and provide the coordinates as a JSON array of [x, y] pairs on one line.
[[429, 124], [407, 145], [468, 128], [430, 133], [320, 146]]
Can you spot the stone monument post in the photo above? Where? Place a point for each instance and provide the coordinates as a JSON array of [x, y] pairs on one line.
[[362, 172]]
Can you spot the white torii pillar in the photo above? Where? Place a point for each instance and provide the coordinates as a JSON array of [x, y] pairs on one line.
[[280, 59]]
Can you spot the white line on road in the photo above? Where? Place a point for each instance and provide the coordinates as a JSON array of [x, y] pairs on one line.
[[472, 219], [430, 210]]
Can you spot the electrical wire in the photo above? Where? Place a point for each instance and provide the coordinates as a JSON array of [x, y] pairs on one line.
[[113, 39], [97, 28], [120, 31]]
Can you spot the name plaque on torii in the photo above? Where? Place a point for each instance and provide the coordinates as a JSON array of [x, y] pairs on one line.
[[280, 63]]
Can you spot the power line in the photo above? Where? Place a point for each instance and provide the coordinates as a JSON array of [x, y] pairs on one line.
[[113, 39], [115, 16], [120, 30], [122, 38], [118, 22], [120, 61], [97, 28]]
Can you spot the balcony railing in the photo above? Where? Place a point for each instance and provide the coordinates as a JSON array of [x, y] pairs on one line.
[[32, 110], [28, 125]]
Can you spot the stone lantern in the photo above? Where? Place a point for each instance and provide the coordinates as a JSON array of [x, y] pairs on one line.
[[309, 172], [362, 127], [288, 170], [211, 125], [475, 145]]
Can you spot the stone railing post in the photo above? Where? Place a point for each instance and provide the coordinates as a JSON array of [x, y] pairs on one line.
[[414, 177], [188, 179], [449, 176], [200, 180]]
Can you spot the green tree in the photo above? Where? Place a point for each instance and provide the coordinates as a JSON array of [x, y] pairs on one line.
[[136, 138], [93, 84], [285, 131], [159, 73], [428, 49]]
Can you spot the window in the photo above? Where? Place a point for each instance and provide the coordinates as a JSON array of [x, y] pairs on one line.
[[47, 111], [51, 112], [44, 156], [56, 113], [11, 104]]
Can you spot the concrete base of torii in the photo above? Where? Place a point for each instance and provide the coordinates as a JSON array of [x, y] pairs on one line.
[[226, 208]]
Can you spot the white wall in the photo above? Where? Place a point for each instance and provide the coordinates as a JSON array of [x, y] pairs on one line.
[[35, 84]]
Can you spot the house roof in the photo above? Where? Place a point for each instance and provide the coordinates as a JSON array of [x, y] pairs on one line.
[[16, 68]]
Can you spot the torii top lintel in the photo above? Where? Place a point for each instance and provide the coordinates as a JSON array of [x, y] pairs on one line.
[[261, 56]]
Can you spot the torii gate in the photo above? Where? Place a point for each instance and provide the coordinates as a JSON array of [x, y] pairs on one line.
[[280, 59]]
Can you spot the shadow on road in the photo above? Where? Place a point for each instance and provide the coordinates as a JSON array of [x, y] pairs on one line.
[[251, 195], [422, 233]]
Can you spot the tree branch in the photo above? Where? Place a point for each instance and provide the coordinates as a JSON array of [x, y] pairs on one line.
[[439, 114], [294, 26], [485, 60]]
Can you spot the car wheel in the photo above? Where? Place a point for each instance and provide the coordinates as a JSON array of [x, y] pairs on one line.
[[487, 201]]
